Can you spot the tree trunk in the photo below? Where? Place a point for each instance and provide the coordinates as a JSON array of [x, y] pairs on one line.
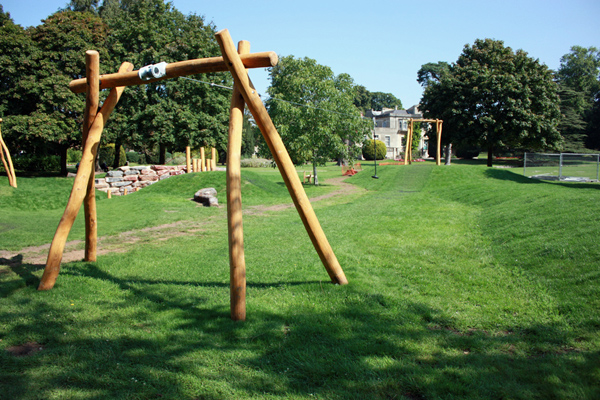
[[490, 157], [117, 162], [63, 160], [315, 178], [162, 154], [448, 153]]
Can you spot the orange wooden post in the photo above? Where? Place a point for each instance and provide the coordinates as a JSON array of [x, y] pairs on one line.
[[92, 62], [8, 165], [282, 158], [237, 261], [213, 159], [202, 160], [78, 192], [438, 154], [188, 160], [109, 194]]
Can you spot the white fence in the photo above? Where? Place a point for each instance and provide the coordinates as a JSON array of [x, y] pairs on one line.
[[563, 166]]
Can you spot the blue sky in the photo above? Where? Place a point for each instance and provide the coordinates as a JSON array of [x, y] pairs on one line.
[[382, 44]]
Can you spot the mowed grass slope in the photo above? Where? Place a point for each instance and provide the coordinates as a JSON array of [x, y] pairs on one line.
[[465, 282]]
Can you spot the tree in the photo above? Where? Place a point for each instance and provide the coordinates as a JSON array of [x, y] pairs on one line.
[[432, 72], [49, 114], [173, 113], [578, 78], [314, 112], [497, 99], [380, 100]]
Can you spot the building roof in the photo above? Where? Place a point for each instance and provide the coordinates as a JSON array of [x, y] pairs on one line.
[[412, 112]]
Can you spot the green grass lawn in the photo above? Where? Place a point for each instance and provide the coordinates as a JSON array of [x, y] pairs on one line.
[[466, 282]]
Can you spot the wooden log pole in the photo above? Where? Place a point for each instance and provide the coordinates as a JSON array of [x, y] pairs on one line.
[[188, 160], [8, 165], [78, 192], [213, 159], [92, 62], [237, 262], [282, 158], [438, 154], [177, 69], [109, 194], [202, 160], [410, 140]]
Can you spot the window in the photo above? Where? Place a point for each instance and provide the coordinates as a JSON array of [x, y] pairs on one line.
[[388, 141], [376, 137], [403, 124]]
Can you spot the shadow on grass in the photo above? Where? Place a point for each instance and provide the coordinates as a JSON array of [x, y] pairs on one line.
[[24, 271], [368, 346]]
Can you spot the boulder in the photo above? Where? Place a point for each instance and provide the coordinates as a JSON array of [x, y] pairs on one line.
[[207, 197], [114, 174], [114, 180], [132, 172]]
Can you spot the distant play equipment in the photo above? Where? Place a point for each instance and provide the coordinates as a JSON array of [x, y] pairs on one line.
[[236, 62], [409, 138], [7, 161]]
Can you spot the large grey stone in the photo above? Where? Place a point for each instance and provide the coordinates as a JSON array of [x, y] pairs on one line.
[[114, 180], [207, 197], [114, 174]]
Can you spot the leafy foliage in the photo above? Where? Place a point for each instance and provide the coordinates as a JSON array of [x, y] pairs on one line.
[[314, 112], [369, 149], [495, 98], [365, 100], [579, 82]]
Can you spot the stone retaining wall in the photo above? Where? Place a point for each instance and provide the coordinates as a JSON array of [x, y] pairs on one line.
[[131, 179]]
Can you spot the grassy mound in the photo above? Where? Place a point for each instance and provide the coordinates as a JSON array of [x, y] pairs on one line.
[[465, 282]]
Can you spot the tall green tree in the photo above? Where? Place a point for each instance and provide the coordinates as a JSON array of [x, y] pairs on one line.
[[579, 81], [381, 100], [314, 112], [173, 113], [495, 98], [49, 115]]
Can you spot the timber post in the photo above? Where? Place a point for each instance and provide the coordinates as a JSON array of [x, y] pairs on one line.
[[237, 261], [282, 158], [8, 165]]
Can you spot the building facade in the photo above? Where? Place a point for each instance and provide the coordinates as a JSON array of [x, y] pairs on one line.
[[391, 127]]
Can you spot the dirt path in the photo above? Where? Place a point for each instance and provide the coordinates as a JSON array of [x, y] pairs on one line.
[[125, 241]]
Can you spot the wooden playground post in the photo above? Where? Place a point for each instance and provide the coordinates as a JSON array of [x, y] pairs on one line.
[[213, 159], [282, 158], [438, 154], [78, 192], [202, 160], [92, 66], [188, 163], [8, 165], [237, 262]]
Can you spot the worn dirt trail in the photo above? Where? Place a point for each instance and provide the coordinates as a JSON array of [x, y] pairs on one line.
[[125, 241]]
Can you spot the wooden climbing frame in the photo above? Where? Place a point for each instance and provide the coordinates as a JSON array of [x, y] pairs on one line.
[[409, 138], [236, 62]]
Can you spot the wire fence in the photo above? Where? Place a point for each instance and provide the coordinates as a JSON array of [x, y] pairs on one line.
[[562, 167]]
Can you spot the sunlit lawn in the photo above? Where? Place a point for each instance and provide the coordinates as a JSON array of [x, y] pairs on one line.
[[465, 282]]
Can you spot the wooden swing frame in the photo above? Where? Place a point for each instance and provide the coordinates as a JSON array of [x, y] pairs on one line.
[[409, 137], [7, 162], [244, 93]]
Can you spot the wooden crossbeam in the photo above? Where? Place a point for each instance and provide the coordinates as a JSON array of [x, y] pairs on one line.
[[177, 69]]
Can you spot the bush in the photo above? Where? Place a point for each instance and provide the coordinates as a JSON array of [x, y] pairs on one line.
[[37, 163], [466, 152], [367, 149], [177, 159], [73, 156], [133, 157], [106, 154]]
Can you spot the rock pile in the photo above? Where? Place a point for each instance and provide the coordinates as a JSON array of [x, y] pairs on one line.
[[130, 179]]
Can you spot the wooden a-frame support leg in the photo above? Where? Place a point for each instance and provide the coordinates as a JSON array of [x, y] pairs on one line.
[[282, 158], [237, 262], [8, 165], [80, 186], [92, 62]]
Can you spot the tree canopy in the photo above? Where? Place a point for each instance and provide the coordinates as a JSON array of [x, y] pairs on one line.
[[37, 64], [495, 98], [314, 112], [578, 78], [365, 100]]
